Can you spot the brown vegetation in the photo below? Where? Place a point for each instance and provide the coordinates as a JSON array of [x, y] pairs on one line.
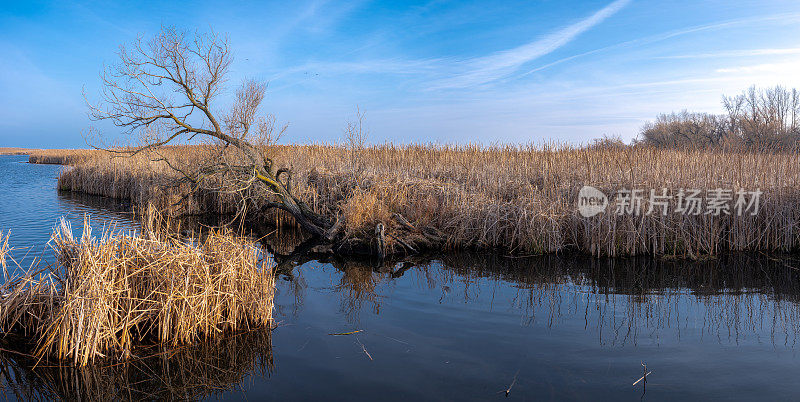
[[107, 295], [522, 200], [61, 156], [15, 151]]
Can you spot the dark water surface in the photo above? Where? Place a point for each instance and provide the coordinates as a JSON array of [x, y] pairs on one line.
[[465, 326]]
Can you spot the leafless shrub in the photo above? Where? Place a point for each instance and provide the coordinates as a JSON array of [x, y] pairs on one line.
[[757, 118]]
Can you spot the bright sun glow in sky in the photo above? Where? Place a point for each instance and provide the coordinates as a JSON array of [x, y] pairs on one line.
[[427, 71]]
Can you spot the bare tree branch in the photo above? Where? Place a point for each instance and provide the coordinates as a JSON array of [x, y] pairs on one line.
[[163, 92]]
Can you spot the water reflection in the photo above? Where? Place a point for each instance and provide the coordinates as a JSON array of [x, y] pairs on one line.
[[619, 299], [489, 310], [102, 208], [187, 373]]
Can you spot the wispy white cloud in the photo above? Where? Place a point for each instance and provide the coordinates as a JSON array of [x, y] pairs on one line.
[[263, 44], [785, 18], [399, 69], [617, 87], [789, 68], [451, 73], [736, 53], [782, 18], [321, 16], [498, 65], [396, 66]]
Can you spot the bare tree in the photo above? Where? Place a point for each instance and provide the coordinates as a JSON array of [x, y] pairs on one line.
[[765, 116], [355, 136], [164, 91], [354, 133], [678, 130], [758, 117]]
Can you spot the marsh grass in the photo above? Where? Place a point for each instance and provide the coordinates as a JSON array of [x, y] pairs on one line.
[[518, 199], [60, 156], [15, 151], [109, 293]]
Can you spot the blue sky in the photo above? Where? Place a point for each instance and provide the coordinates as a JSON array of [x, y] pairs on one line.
[[427, 71]]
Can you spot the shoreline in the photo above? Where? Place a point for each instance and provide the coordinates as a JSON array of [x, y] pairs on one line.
[[437, 199]]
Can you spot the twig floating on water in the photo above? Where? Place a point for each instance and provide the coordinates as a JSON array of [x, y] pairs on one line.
[[347, 333], [643, 377], [397, 340], [364, 348], [508, 390]]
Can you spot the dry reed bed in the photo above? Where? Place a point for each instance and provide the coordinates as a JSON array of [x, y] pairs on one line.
[[60, 156], [521, 199], [16, 151], [110, 294]]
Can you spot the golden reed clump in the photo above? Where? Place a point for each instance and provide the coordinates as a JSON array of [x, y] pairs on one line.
[[109, 294], [519, 199]]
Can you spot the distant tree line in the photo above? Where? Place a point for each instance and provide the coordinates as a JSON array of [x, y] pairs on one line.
[[758, 117]]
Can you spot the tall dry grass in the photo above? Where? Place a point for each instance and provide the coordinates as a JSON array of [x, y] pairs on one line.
[[521, 199], [16, 151], [60, 156], [109, 293]]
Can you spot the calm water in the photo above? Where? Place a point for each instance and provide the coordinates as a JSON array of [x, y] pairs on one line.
[[30, 207], [463, 326]]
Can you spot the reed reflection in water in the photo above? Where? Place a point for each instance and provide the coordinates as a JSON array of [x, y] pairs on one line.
[[187, 373], [731, 296], [456, 326]]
